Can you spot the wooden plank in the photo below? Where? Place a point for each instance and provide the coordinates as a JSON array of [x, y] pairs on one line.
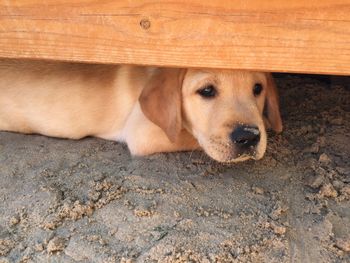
[[274, 35]]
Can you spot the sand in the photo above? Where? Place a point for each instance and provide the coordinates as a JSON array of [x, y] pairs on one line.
[[90, 201]]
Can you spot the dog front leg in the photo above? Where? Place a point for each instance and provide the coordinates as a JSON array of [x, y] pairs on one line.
[[143, 137], [155, 141]]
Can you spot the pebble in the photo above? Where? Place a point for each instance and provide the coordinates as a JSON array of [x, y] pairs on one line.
[[346, 190], [277, 229], [338, 184], [56, 244], [316, 181], [324, 159], [328, 190], [39, 247], [14, 220], [258, 190], [343, 244]]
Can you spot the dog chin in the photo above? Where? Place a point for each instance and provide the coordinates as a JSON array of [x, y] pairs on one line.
[[226, 152], [227, 157], [231, 157], [239, 159]]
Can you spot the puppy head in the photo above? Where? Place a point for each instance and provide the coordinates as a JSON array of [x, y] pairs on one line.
[[223, 109]]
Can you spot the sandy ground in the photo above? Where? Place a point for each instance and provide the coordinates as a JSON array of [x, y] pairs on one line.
[[89, 201]]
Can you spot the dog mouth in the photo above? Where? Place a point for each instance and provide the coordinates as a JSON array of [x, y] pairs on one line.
[[227, 152]]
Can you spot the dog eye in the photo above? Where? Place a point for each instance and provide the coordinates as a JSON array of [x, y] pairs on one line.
[[257, 89], [208, 91]]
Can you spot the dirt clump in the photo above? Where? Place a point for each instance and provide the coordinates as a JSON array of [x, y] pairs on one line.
[[56, 244]]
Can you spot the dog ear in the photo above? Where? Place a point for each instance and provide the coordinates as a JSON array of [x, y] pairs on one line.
[[272, 111], [160, 100]]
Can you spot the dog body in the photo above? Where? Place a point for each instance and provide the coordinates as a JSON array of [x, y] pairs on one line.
[[151, 109]]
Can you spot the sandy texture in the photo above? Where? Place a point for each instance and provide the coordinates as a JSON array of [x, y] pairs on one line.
[[89, 201]]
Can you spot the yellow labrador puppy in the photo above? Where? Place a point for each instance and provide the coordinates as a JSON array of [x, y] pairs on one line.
[[150, 109]]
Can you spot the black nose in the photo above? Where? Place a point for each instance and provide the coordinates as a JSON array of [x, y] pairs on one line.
[[245, 136]]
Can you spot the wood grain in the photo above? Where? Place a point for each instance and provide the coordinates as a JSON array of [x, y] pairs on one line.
[[276, 35]]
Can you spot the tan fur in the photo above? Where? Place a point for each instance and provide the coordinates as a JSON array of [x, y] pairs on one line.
[[151, 109]]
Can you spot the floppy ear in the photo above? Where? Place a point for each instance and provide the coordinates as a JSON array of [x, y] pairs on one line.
[[272, 111], [160, 100]]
